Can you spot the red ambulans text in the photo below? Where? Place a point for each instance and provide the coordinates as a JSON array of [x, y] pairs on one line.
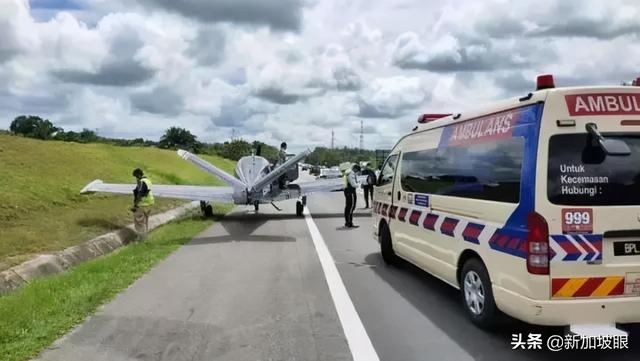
[[603, 104], [492, 127]]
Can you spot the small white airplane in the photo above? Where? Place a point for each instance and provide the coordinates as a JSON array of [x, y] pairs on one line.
[[256, 184]]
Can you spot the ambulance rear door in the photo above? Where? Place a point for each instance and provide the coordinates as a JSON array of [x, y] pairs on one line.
[[588, 179]]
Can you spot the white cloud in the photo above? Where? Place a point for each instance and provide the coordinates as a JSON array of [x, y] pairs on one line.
[[391, 97], [450, 54], [295, 70], [15, 29], [278, 14]]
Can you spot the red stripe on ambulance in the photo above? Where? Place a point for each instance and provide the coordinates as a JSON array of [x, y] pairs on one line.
[[588, 287], [430, 221], [603, 104]]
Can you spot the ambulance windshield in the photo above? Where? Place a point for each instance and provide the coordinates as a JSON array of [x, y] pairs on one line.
[[581, 173]]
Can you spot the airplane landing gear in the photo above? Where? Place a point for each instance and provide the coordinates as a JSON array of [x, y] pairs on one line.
[[206, 208]]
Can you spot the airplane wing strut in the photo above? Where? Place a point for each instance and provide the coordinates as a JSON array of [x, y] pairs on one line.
[[212, 169]]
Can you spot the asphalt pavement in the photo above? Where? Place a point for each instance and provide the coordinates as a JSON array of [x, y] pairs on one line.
[[252, 287]]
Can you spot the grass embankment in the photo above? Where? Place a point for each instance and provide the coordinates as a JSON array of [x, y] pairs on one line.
[[41, 209], [44, 310]]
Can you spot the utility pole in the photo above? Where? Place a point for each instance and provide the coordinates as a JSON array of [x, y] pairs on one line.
[[361, 135], [332, 139]]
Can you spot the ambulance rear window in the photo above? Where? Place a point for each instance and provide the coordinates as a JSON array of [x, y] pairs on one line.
[[581, 174]]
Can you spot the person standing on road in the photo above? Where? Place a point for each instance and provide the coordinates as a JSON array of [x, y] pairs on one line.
[[142, 203], [367, 186], [350, 179], [282, 157]]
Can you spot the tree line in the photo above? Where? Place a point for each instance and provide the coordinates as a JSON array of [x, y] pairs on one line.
[[180, 138], [330, 157], [173, 138]]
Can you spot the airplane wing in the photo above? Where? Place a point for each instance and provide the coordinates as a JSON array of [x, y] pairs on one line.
[[212, 169], [280, 170], [195, 193], [318, 186], [325, 185]]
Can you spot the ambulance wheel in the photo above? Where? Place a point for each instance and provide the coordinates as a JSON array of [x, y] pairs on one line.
[[386, 246], [208, 211], [299, 208], [477, 295]]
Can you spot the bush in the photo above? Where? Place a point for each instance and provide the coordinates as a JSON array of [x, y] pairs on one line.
[[175, 138], [33, 127]]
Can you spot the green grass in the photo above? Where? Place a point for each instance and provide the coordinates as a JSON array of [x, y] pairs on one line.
[[46, 309], [41, 209]]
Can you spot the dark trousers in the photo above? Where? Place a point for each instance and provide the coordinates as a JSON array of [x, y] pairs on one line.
[[368, 191], [349, 205]]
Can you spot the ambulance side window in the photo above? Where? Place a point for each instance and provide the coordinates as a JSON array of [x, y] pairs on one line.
[[388, 170], [489, 170]]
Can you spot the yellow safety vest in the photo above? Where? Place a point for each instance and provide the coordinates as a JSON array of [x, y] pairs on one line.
[[345, 180], [147, 201]]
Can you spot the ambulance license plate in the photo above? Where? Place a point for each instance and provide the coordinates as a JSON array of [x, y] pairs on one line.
[[626, 248]]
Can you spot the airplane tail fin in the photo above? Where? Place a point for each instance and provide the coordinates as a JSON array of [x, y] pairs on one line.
[[280, 170], [212, 169]]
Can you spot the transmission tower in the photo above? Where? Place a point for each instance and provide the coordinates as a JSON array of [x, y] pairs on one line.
[[361, 135]]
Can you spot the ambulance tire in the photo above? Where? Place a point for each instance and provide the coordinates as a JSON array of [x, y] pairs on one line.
[[386, 246], [490, 316], [299, 208]]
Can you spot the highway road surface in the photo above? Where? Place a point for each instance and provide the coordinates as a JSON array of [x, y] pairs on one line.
[[272, 286]]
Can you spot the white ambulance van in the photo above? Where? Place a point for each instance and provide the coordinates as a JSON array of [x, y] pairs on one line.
[[530, 207]]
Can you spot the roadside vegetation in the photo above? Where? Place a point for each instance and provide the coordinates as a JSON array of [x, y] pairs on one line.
[[329, 157], [46, 309], [41, 208], [32, 126]]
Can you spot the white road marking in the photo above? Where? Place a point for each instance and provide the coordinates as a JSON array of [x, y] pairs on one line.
[[357, 337]]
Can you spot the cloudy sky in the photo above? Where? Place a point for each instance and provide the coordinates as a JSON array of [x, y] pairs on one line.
[[294, 70]]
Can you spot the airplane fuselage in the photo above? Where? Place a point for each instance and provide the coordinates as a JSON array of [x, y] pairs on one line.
[[250, 169]]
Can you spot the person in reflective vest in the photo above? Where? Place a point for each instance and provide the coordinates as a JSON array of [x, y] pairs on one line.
[[142, 203], [350, 179]]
